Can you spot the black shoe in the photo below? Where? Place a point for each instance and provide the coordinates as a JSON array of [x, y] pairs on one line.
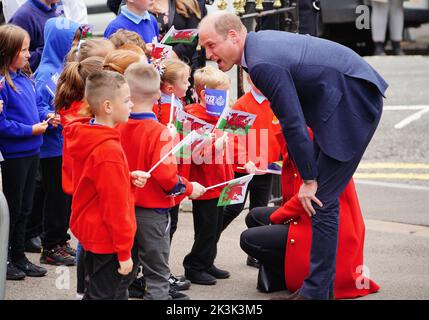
[[379, 49], [179, 284], [200, 277], [397, 50], [57, 257], [176, 295], [33, 245], [137, 288], [67, 248], [253, 262], [14, 273], [30, 269], [218, 273]]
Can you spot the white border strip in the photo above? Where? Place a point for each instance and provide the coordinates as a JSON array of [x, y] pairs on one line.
[[392, 185]]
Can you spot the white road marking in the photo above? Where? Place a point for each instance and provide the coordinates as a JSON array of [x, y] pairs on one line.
[[392, 185], [405, 107], [414, 117]]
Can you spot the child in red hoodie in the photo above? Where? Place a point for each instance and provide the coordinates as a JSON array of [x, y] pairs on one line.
[[145, 140], [103, 218], [199, 263]]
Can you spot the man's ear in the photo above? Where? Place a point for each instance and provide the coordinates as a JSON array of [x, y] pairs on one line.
[[233, 34]]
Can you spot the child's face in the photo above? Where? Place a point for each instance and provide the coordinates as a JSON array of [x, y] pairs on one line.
[[22, 57], [182, 85], [121, 106], [141, 5]]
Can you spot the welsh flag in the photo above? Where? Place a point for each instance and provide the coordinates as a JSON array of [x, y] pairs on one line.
[[235, 191], [186, 123], [184, 149], [236, 122], [161, 51], [174, 36]]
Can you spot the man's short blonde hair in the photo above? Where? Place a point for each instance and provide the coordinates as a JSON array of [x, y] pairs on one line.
[[144, 81], [211, 78], [223, 22]]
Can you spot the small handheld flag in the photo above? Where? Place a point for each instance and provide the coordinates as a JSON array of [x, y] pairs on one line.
[[236, 122], [186, 122], [186, 36], [216, 101], [234, 192]]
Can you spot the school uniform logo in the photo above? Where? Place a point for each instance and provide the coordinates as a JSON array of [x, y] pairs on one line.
[[275, 120]]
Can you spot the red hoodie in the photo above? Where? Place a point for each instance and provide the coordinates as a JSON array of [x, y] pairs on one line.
[[103, 217], [68, 116], [215, 172], [145, 140]]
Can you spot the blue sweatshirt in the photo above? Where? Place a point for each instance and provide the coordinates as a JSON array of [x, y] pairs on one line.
[[58, 43], [146, 26], [18, 117], [32, 17]]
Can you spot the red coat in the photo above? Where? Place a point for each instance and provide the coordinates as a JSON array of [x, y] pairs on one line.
[[351, 236]]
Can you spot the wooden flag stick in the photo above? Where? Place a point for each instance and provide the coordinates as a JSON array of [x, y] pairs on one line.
[[171, 108], [278, 172]]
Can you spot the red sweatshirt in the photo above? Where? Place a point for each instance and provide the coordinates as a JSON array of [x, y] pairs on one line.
[[215, 172], [103, 217], [68, 116], [145, 140], [259, 146]]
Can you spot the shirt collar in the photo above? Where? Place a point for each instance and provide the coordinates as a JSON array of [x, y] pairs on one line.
[[134, 17], [166, 98], [243, 61], [38, 4], [258, 97], [143, 116]]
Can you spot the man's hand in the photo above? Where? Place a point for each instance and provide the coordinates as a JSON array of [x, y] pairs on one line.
[[250, 167], [197, 190], [39, 128], [125, 267], [139, 178], [307, 193]]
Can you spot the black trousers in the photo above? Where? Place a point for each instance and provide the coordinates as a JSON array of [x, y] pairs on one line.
[[56, 204], [34, 226], [265, 242], [260, 190], [207, 228], [19, 178], [104, 281]]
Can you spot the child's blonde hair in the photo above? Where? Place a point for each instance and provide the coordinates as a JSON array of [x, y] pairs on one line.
[[172, 70], [122, 36], [144, 81], [119, 60], [209, 77], [11, 39], [94, 47]]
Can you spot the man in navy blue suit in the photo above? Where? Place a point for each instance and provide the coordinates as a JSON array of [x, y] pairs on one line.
[[316, 83]]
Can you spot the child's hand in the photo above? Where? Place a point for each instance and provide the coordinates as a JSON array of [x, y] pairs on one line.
[[173, 131], [139, 178], [197, 190], [39, 128], [1, 106], [250, 167], [53, 119], [125, 267], [221, 143]]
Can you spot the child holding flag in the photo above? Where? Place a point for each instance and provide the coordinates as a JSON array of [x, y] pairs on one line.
[[199, 263], [145, 140], [260, 149]]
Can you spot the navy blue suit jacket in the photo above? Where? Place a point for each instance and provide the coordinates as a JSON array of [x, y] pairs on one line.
[[312, 82]]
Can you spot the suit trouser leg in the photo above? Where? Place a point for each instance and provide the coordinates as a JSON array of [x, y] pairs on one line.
[[333, 178]]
